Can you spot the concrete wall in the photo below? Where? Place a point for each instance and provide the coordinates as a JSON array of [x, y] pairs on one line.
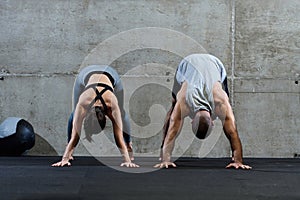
[[44, 43], [266, 72]]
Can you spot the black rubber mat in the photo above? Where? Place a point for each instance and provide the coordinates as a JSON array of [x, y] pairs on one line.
[[29, 178]]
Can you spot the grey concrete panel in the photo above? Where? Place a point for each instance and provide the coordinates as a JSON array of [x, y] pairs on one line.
[[267, 38], [258, 85], [268, 123], [55, 36], [266, 82]]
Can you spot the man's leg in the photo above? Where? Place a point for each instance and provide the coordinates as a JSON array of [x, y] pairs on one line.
[[70, 127]]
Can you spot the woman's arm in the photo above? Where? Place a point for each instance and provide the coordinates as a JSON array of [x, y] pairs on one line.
[[115, 116], [79, 114]]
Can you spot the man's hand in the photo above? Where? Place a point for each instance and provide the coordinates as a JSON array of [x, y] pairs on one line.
[[63, 162], [165, 165], [129, 164], [237, 165]]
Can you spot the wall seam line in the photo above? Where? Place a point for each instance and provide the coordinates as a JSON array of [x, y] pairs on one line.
[[232, 49]]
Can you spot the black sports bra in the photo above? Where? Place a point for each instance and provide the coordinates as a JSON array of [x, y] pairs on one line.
[[99, 94]]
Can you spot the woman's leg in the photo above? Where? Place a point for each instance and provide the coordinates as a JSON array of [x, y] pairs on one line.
[[119, 92]]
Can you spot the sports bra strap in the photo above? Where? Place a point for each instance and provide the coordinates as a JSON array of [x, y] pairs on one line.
[[99, 94], [94, 85]]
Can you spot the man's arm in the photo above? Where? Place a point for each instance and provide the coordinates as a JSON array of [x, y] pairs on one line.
[[167, 123], [225, 113], [175, 124], [231, 133]]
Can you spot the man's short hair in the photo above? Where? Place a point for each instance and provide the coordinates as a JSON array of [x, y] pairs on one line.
[[201, 124]]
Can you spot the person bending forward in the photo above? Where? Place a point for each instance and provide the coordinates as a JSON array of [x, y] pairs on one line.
[[200, 92], [97, 93]]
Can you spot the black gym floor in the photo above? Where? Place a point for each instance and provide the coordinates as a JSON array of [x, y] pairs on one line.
[[32, 177]]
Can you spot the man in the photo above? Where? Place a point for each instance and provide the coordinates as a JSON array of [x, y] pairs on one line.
[[98, 92], [198, 93]]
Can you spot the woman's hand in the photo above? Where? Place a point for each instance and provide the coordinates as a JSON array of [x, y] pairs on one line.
[[64, 162], [129, 164]]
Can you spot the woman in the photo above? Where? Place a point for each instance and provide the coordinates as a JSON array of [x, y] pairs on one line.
[[98, 92]]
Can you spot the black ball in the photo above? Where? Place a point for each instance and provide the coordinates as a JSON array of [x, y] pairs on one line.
[[17, 143]]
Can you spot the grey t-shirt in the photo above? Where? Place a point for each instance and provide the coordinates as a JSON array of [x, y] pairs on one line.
[[201, 72]]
